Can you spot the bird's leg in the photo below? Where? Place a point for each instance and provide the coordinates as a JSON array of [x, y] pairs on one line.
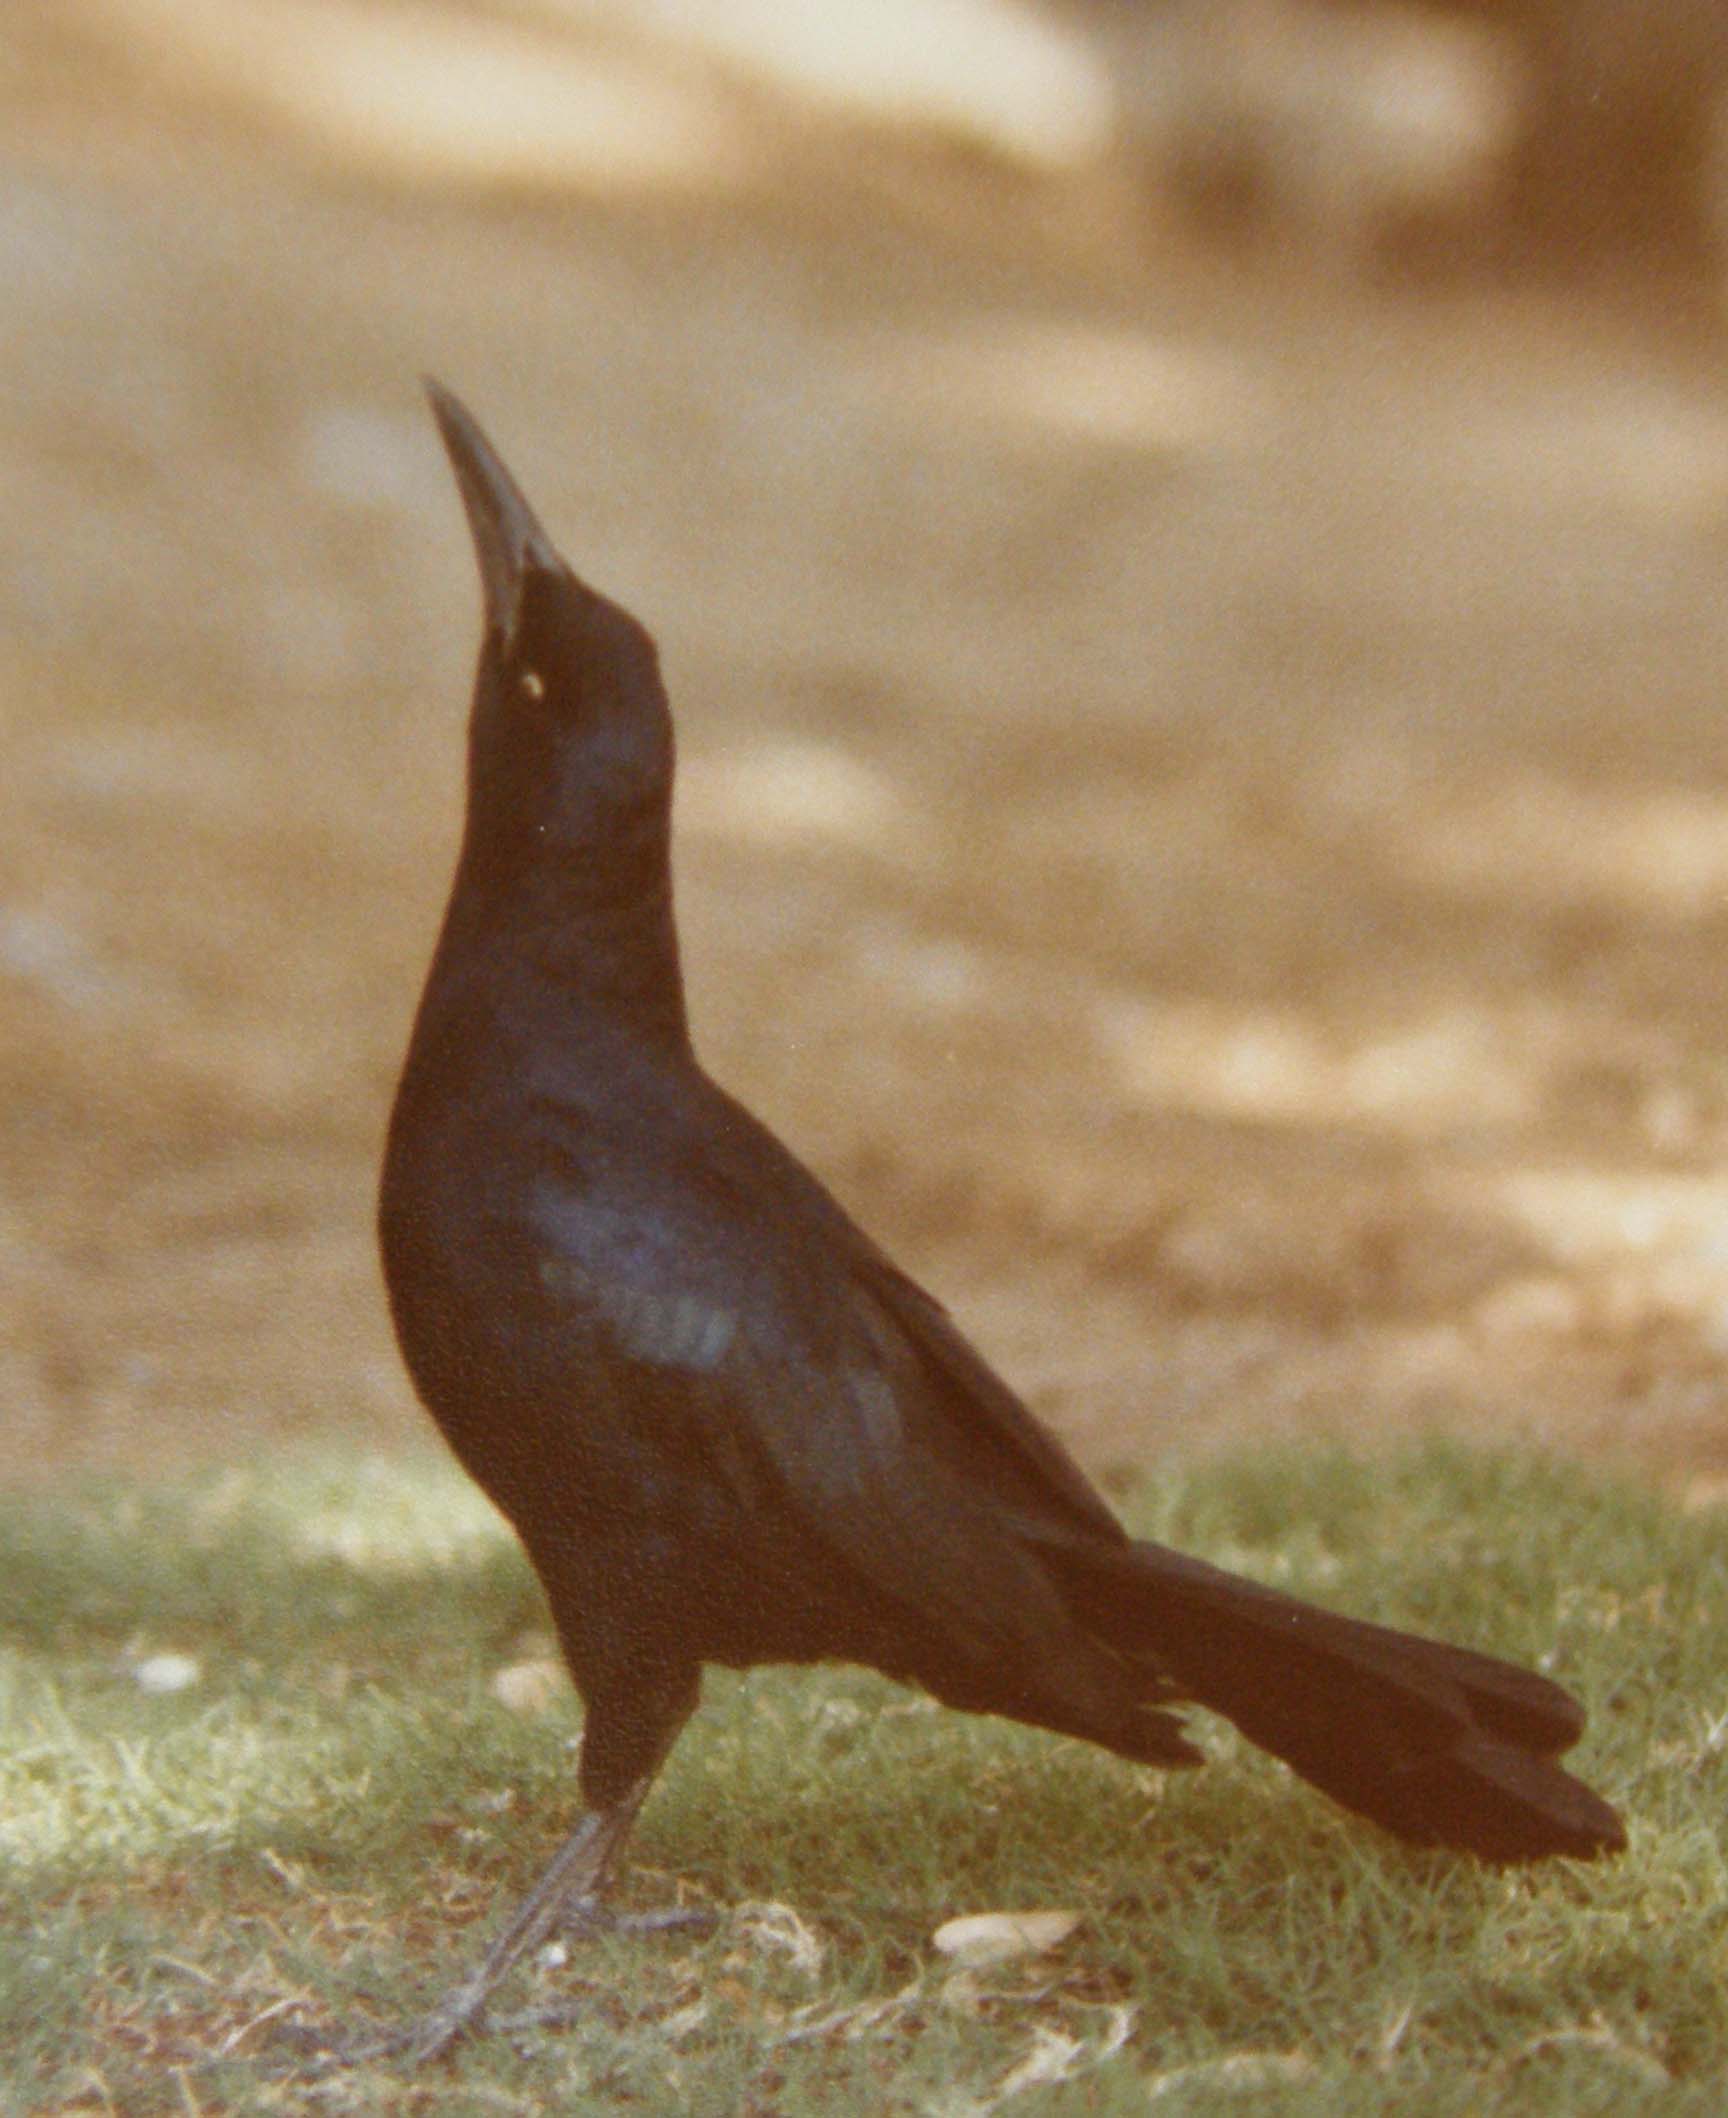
[[632, 1722], [573, 1883]]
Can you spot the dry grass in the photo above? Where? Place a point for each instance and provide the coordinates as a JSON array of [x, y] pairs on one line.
[[325, 1819]]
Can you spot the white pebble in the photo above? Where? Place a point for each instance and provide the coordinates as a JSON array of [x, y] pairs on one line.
[[166, 1673]]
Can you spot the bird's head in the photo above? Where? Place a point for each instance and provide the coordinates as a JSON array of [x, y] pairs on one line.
[[570, 742]]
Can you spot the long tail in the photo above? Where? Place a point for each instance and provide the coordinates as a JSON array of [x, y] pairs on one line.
[[1438, 1744]]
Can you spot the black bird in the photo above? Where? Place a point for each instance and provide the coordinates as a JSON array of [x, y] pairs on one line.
[[726, 1426]]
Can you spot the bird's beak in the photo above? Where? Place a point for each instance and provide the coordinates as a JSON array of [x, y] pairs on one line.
[[508, 538]]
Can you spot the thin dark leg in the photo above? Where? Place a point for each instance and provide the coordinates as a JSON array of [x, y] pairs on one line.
[[573, 1882], [630, 1729]]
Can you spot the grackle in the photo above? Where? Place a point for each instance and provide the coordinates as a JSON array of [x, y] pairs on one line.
[[725, 1425]]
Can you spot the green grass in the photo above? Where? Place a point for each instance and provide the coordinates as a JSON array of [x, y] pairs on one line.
[[334, 1815]]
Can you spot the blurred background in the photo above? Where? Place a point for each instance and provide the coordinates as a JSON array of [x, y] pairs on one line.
[[1188, 540]]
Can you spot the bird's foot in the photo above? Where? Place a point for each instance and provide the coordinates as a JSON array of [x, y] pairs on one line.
[[589, 1917], [461, 2013], [570, 1893], [464, 2011]]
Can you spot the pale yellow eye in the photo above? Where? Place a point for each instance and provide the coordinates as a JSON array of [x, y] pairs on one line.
[[533, 684]]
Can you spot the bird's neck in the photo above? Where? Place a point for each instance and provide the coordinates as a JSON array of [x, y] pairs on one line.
[[587, 949]]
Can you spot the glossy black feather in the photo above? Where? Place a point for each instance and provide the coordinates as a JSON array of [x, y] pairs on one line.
[[726, 1426]]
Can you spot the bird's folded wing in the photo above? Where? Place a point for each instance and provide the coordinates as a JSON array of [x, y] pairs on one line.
[[846, 1393]]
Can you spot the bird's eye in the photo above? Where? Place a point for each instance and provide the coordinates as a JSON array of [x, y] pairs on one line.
[[533, 684]]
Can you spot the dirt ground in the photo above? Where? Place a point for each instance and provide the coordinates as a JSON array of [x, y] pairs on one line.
[[1205, 792]]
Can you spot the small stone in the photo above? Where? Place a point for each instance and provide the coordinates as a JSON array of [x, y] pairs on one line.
[[167, 1673], [977, 1938], [528, 1687]]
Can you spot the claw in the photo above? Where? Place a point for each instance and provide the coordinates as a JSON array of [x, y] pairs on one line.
[[464, 2012], [591, 1917]]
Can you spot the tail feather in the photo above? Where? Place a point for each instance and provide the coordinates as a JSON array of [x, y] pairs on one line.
[[1439, 1744]]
